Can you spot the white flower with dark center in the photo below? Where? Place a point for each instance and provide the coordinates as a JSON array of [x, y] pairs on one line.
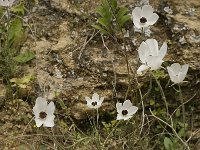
[[150, 56], [144, 17], [95, 102], [44, 112], [177, 72], [6, 3], [125, 110]]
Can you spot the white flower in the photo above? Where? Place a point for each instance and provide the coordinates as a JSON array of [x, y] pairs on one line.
[[150, 56], [125, 110], [6, 3], [95, 102], [177, 72], [144, 17], [44, 112]]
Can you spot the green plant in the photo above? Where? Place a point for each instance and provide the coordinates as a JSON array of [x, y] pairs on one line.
[[21, 82], [13, 34], [112, 17], [173, 143]]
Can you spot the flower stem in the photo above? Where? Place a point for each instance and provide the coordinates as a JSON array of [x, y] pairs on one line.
[[162, 94], [96, 128], [97, 118], [183, 108]]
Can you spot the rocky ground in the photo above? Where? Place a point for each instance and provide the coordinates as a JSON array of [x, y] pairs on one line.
[[72, 60]]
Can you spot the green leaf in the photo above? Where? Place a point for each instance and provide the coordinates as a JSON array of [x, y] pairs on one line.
[[104, 12], [122, 11], [19, 9], [1, 11], [21, 82], [168, 143], [181, 132], [101, 11], [42, 147], [124, 19], [105, 4], [113, 4], [182, 124], [25, 57], [103, 31], [15, 32], [152, 102], [104, 22], [178, 113], [159, 74]]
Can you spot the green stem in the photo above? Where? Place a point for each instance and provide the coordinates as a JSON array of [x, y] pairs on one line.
[[162, 94], [96, 126], [97, 118], [183, 108]]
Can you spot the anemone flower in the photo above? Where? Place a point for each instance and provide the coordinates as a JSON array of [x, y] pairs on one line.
[[177, 72], [144, 17], [6, 3], [125, 110], [44, 112], [95, 102], [150, 56]]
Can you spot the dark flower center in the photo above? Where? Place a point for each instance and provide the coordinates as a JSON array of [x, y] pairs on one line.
[[124, 112], [94, 103], [42, 115], [143, 20]]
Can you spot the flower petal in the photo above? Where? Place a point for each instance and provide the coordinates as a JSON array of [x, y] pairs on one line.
[[137, 23], [184, 68], [163, 50], [94, 107], [127, 117], [50, 109], [119, 107], [49, 122], [172, 76], [132, 110], [127, 104], [170, 72], [120, 116], [90, 106], [154, 62], [95, 97], [38, 122], [153, 46], [181, 77], [147, 11], [41, 103], [36, 111], [141, 69], [176, 67], [100, 101], [143, 52], [136, 13], [152, 19]]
